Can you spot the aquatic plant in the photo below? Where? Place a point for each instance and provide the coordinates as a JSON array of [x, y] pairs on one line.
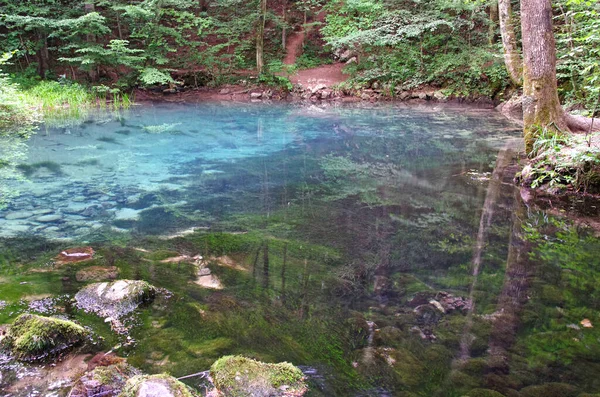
[[30, 169]]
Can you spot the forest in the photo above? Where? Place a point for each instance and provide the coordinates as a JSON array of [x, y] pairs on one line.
[[231, 198]]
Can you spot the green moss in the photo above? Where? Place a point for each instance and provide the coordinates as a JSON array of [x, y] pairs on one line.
[[237, 376], [483, 393], [29, 169], [32, 337], [549, 390], [156, 385]]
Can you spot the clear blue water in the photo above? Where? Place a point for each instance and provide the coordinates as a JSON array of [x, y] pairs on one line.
[[383, 248]]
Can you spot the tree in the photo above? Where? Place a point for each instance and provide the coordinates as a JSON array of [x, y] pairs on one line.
[[541, 106], [512, 58], [260, 36]]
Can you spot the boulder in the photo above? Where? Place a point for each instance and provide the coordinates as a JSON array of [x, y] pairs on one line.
[[33, 338], [237, 376], [155, 386], [107, 381], [113, 300]]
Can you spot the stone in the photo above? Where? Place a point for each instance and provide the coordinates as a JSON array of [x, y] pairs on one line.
[[113, 300], [256, 95], [209, 281], [237, 376], [127, 214], [106, 380], [97, 273], [204, 271], [439, 95], [161, 385], [225, 91], [74, 255], [33, 338], [18, 215], [49, 218]]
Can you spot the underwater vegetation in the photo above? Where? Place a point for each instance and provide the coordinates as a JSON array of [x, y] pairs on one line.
[[29, 170]]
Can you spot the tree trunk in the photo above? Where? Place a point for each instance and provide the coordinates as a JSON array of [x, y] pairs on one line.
[[512, 58], [284, 29], [90, 38], [541, 106], [260, 37], [283, 272], [493, 22]]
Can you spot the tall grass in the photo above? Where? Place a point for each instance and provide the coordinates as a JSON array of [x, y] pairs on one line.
[[60, 102]]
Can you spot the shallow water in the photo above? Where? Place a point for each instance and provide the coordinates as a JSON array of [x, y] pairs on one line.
[[382, 248]]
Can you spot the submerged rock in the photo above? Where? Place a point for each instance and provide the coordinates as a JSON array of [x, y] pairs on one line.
[[113, 300], [31, 337], [107, 381], [74, 255], [237, 376], [155, 385]]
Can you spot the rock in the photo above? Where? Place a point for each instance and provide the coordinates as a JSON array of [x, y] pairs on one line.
[[237, 376], [225, 91], [49, 218], [344, 55], [105, 381], [316, 88], [170, 91], [439, 95], [18, 215], [513, 108], [352, 60], [450, 302], [209, 281], [97, 273], [127, 214], [404, 95], [549, 390], [113, 300], [32, 338], [155, 386], [204, 271], [256, 95], [326, 94], [74, 255]]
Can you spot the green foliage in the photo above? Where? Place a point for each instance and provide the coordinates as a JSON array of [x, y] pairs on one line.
[[578, 52], [442, 43], [153, 76]]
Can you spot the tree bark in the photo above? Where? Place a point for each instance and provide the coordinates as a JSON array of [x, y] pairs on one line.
[[493, 22], [541, 106], [512, 58], [260, 37]]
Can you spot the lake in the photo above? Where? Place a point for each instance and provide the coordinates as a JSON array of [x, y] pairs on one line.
[[382, 248]]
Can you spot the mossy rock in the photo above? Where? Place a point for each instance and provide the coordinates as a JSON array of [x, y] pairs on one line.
[[155, 385], [33, 338], [237, 376], [105, 380], [114, 299], [484, 393], [549, 390]]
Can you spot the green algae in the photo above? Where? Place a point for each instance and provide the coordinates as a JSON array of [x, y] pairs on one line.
[[31, 337], [164, 384], [237, 376]]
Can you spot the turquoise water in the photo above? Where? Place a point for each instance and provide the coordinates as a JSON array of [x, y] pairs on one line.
[[382, 248]]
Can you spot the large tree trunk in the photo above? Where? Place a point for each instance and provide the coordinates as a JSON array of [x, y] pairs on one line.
[[260, 37], [90, 38], [541, 106], [512, 58]]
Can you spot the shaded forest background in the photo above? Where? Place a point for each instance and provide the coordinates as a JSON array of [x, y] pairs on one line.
[[106, 48]]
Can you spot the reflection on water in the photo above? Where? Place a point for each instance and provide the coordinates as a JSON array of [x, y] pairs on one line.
[[383, 249]]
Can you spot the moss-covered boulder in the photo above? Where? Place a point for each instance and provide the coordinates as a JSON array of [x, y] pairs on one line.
[[484, 393], [114, 299], [107, 381], [155, 385], [237, 376], [32, 338], [552, 389]]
